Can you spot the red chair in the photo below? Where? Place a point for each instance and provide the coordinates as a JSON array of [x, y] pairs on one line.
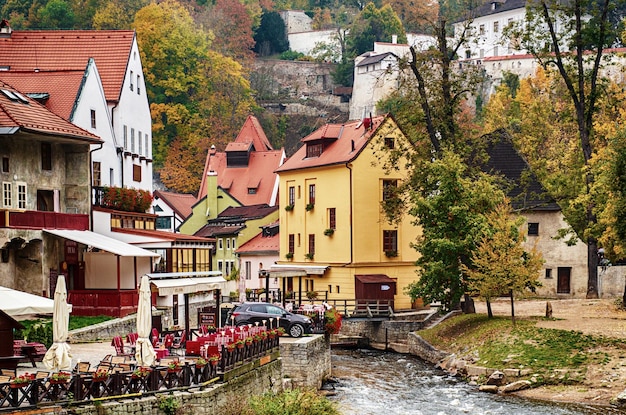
[[120, 350], [131, 338], [168, 341], [193, 347], [155, 337], [180, 344]]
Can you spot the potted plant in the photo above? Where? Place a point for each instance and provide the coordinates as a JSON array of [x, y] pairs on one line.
[[21, 380], [289, 208], [249, 340], [101, 375], [200, 362], [289, 255], [214, 359], [231, 347], [329, 232], [174, 366], [240, 343], [311, 295], [309, 207], [280, 331], [271, 334], [309, 255], [60, 377], [141, 372], [391, 253]]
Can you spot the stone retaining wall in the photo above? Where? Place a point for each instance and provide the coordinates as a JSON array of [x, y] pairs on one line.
[[216, 399], [306, 361], [105, 330]]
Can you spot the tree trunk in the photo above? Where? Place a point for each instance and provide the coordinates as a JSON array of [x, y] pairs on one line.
[[489, 312], [512, 307], [592, 269]]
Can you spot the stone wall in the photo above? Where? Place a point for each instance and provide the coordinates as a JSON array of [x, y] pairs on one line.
[[216, 399], [105, 330], [424, 350], [306, 361], [390, 334]]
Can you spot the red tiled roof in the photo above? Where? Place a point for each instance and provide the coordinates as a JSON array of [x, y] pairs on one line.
[[30, 116], [181, 203], [44, 50], [246, 212], [261, 164], [252, 132], [261, 244], [62, 86], [344, 143]]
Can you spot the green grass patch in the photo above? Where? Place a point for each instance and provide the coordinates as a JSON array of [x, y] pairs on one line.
[[40, 330], [497, 344]]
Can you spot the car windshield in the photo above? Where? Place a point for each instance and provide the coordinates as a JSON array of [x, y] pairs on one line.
[[272, 309]]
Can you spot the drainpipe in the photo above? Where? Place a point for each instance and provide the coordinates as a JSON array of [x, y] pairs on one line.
[[91, 184], [351, 212]]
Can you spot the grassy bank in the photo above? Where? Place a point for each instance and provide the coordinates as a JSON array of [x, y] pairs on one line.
[[496, 343]]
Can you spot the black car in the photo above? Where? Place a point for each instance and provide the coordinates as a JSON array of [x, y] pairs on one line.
[[249, 313]]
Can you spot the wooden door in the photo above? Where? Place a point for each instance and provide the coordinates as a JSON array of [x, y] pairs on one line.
[[563, 280]]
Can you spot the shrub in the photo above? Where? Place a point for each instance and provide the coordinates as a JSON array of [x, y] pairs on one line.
[[293, 402], [332, 321]]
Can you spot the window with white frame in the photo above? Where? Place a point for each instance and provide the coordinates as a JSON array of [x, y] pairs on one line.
[[132, 140], [125, 137], [7, 195], [22, 195], [248, 270], [139, 142], [234, 243], [220, 244], [220, 265], [228, 243], [147, 147]]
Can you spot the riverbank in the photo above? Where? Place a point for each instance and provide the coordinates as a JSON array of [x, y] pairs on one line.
[[576, 356]]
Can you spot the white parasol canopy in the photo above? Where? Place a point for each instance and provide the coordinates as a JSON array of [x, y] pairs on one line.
[[144, 352], [58, 356], [21, 305]]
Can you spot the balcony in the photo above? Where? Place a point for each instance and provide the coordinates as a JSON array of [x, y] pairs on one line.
[[96, 302], [35, 219]]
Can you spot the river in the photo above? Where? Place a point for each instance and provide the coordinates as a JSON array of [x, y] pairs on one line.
[[380, 383]]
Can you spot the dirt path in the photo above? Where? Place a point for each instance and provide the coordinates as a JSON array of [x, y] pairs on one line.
[[596, 317]]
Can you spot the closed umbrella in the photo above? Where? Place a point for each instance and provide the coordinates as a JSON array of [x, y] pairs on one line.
[[144, 352], [58, 356]]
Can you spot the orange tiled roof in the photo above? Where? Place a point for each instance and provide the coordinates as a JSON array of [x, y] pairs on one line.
[[181, 203], [63, 87], [45, 50], [343, 143], [20, 113], [261, 244], [261, 165], [251, 131]]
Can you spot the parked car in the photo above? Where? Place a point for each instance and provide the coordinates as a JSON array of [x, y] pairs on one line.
[[295, 325]]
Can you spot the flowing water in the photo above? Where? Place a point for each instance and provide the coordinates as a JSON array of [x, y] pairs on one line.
[[379, 383]]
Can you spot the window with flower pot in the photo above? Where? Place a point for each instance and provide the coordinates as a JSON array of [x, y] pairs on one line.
[[291, 243], [311, 194], [311, 244], [292, 196], [332, 218]]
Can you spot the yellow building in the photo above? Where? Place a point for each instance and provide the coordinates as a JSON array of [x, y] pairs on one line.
[[334, 236]]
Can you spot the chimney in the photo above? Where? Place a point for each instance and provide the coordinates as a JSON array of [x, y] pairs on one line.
[[5, 29], [394, 39]]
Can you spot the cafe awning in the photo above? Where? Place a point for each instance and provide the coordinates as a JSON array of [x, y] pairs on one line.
[[102, 242], [285, 271], [187, 282]]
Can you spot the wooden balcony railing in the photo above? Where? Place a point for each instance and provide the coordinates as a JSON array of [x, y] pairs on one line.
[[35, 219], [108, 302]]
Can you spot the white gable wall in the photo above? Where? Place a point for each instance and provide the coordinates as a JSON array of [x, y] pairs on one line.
[[91, 98], [132, 114]]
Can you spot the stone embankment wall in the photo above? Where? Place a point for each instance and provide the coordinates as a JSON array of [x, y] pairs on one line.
[[385, 335], [105, 330], [306, 361]]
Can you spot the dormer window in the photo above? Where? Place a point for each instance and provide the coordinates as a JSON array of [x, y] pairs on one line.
[[314, 150]]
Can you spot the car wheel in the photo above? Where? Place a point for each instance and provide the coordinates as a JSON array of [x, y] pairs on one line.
[[296, 330]]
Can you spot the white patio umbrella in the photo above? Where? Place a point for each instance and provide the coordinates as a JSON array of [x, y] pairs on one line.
[[144, 352], [58, 356]]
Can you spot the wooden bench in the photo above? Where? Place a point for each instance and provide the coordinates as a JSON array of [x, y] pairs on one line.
[[29, 352]]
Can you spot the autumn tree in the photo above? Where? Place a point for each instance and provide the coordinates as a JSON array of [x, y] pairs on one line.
[[415, 16], [500, 265], [231, 23], [570, 38], [198, 97], [116, 14], [450, 202]]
